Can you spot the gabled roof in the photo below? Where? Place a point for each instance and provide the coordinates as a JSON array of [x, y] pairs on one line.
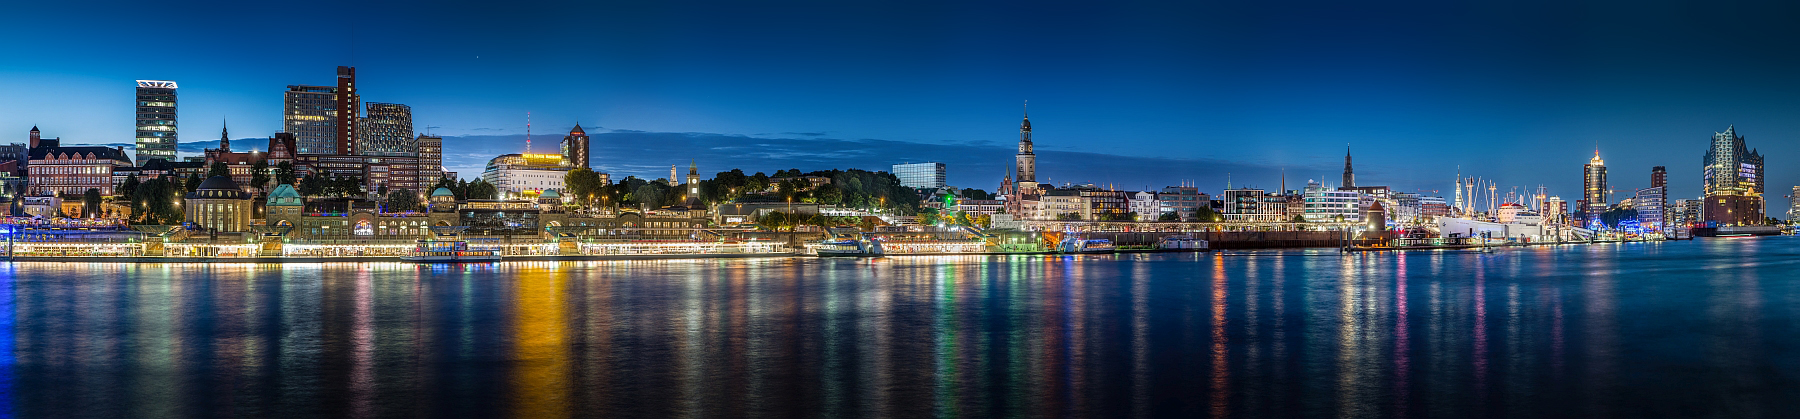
[[42, 153]]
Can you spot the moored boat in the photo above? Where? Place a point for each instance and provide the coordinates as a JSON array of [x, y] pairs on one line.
[[446, 251], [1083, 245], [1182, 242], [849, 248]]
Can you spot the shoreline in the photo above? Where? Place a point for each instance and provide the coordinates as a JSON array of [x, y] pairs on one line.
[[705, 256]]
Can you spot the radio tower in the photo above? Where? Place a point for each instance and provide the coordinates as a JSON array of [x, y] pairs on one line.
[[527, 132]]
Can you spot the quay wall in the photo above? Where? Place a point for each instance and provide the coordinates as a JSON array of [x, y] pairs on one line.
[[1238, 239]]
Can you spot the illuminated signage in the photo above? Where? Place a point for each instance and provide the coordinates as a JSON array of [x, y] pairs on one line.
[[159, 84]]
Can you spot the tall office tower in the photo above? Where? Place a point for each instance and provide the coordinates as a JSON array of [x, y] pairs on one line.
[[1026, 159], [920, 175], [1349, 176], [310, 113], [387, 131], [1659, 177], [155, 120], [575, 148], [431, 159], [1794, 205], [1593, 187], [1733, 181], [350, 104]]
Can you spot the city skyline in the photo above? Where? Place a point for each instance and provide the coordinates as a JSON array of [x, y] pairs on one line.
[[1173, 99]]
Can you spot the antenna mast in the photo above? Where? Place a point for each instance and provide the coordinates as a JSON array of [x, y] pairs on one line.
[[527, 132]]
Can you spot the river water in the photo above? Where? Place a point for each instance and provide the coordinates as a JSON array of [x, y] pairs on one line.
[[1709, 328]]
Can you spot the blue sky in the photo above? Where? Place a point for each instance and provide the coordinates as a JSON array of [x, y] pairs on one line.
[[1133, 94]]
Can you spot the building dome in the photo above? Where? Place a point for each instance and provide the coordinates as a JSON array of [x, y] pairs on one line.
[[218, 187], [443, 192]]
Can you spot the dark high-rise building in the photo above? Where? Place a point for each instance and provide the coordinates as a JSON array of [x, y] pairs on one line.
[[324, 119], [387, 130], [310, 113], [431, 159], [156, 137], [1593, 189], [575, 148], [350, 103], [1659, 177], [1349, 175], [1733, 181]]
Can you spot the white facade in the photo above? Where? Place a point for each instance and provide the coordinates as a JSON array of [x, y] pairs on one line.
[[1650, 208], [1329, 205], [1146, 205]]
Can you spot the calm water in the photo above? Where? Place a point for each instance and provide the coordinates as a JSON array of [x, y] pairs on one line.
[[1687, 329]]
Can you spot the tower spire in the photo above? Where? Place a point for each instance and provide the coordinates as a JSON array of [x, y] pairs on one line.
[[224, 136], [1349, 175]]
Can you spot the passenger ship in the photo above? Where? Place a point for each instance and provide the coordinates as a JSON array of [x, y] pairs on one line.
[[441, 251]]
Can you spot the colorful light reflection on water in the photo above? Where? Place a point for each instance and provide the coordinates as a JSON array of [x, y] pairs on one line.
[[1704, 328]]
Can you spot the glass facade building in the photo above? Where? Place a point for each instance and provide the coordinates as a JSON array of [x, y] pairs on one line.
[[920, 175], [387, 130], [310, 113], [156, 137]]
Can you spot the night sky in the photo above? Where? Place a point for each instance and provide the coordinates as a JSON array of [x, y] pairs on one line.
[[1128, 94]]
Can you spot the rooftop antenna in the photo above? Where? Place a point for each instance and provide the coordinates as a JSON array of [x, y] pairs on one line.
[[527, 132]]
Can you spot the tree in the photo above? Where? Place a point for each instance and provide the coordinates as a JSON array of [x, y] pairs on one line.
[[259, 175], [648, 195], [583, 185], [1169, 216], [218, 169], [480, 189], [1068, 216], [313, 185], [128, 188], [402, 200], [157, 199], [1298, 219], [193, 182], [284, 173], [829, 194], [1206, 215], [90, 203]]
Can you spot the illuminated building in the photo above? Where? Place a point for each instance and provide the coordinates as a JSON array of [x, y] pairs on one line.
[[920, 175], [1733, 181], [526, 175], [575, 148], [53, 169], [431, 159], [387, 130], [323, 118], [309, 113], [1593, 190], [1182, 200], [156, 134], [1331, 205], [218, 205], [1794, 206], [1027, 159]]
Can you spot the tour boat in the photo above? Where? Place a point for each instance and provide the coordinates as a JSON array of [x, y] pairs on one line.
[[444, 251], [1182, 242], [849, 248], [1081, 245]]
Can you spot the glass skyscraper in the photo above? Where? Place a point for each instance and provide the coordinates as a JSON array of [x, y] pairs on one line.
[[920, 175], [387, 131], [155, 120]]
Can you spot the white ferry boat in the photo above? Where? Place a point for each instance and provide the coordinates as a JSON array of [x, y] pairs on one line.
[[849, 248], [1182, 242], [447, 251]]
